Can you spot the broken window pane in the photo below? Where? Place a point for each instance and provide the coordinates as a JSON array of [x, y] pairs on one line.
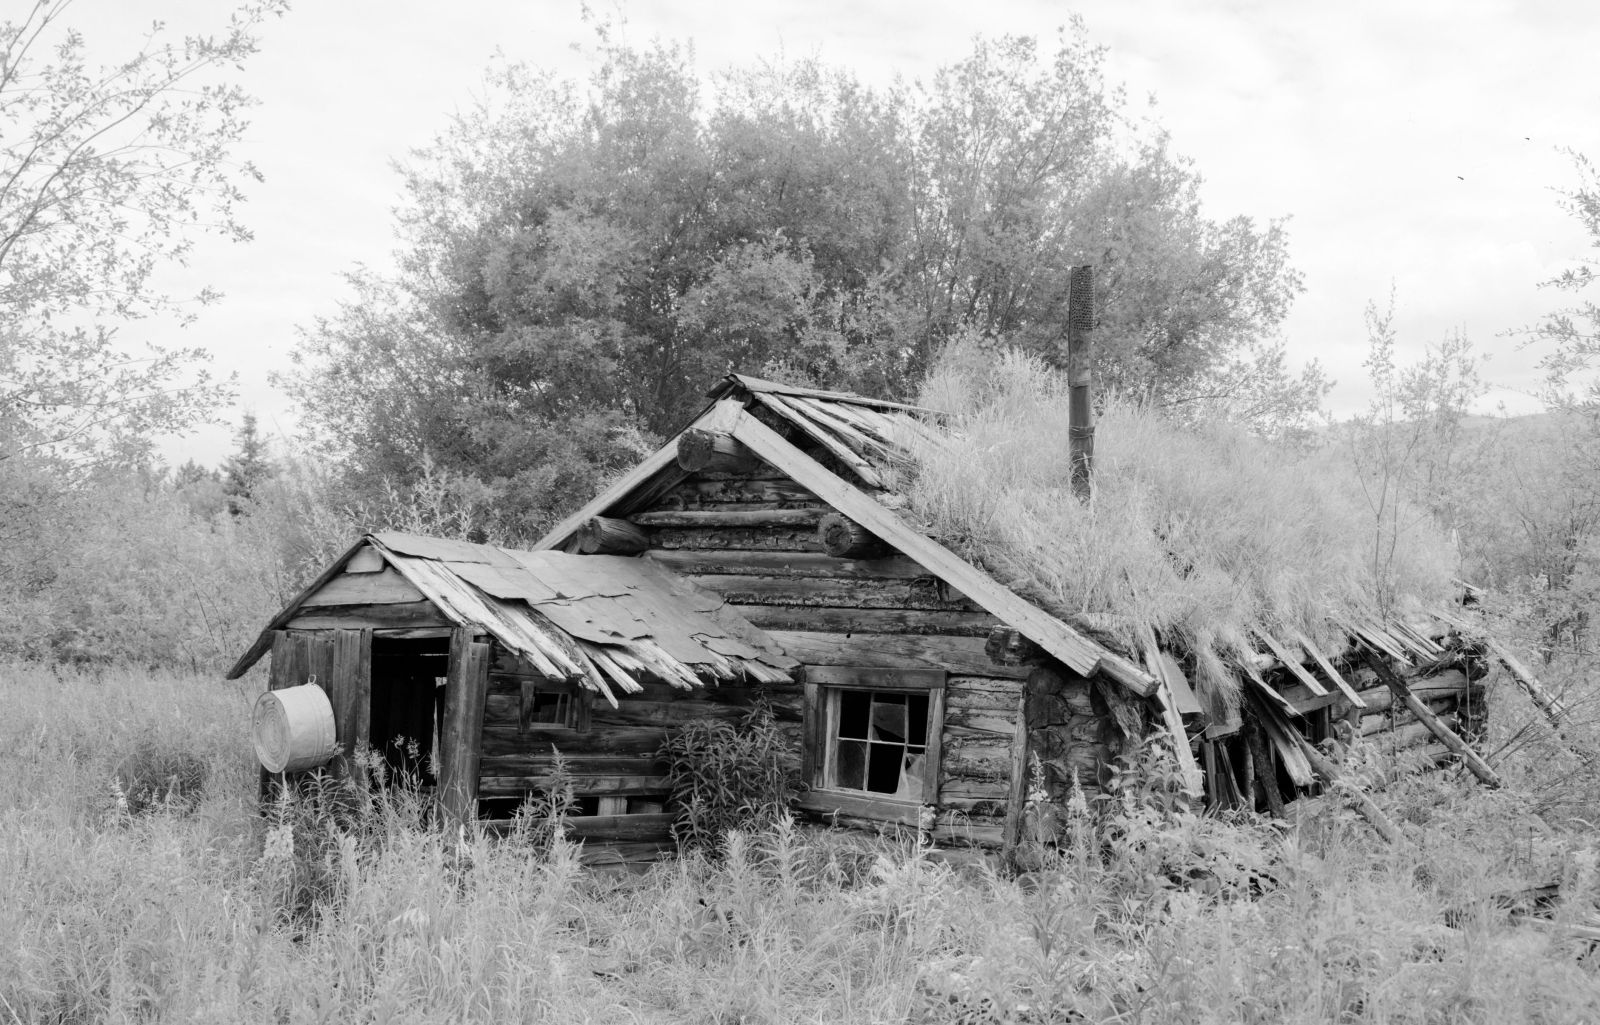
[[889, 717], [854, 706], [850, 765]]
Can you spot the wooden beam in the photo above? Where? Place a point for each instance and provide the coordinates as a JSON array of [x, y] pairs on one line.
[[350, 693], [1290, 663], [1364, 804], [1447, 736], [1072, 648], [462, 739], [1327, 667], [608, 535], [717, 518], [1017, 791], [799, 564], [1552, 707], [1193, 780]]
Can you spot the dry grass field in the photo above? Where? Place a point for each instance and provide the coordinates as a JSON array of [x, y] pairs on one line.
[[114, 907]]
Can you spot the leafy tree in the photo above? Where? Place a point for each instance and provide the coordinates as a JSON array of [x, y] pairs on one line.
[[1574, 332], [106, 174], [1407, 448], [578, 264]]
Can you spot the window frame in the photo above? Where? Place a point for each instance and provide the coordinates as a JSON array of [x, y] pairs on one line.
[[579, 702], [823, 687]]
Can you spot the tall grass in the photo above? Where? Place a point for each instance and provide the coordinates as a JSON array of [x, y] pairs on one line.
[[1198, 532], [1154, 915]]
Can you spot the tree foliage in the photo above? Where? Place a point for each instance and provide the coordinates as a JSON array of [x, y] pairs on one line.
[[108, 173], [1573, 333], [579, 262]]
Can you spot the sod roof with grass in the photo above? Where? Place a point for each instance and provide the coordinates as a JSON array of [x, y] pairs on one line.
[[1206, 535]]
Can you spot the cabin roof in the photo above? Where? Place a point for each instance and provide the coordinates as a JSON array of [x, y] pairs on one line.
[[869, 439], [600, 621]]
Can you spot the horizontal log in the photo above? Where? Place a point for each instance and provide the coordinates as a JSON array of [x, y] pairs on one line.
[[860, 805], [963, 788], [385, 588], [428, 633], [614, 740], [542, 763], [1411, 734], [717, 519], [786, 539], [916, 593], [800, 564], [654, 826], [953, 827], [978, 722], [630, 711], [987, 808], [614, 854], [582, 785], [355, 617], [958, 655], [986, 756], [606, 535], [984, 693], [1303, 700], [831, 619], [699, 490]]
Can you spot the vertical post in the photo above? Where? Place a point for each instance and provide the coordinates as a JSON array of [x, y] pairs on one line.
[[1080, 413], [351, 695], [462, 737]]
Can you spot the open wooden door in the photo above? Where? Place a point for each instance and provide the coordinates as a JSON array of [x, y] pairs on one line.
[[462, 735], [340, 662]]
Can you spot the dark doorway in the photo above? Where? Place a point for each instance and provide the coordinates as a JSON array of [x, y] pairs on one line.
[[408, 704]]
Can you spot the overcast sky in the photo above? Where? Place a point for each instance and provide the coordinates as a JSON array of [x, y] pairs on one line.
[[1413, 143]]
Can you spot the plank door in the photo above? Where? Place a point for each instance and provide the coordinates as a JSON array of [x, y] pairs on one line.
[[340, 662], [462, 736]]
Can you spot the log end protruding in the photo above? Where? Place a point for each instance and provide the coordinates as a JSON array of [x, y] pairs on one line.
[[844, 538], [714, 452], [606, 535], [1007, 647]]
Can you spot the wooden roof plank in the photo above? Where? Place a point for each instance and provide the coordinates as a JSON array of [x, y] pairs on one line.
[[1290, 663], [1327, 667], [758, 386], [820, 434]]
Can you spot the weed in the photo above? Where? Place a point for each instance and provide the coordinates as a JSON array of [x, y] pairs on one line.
[[727, 776]]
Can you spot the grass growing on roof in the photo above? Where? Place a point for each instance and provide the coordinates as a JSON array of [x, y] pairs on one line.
[[1199, 532]]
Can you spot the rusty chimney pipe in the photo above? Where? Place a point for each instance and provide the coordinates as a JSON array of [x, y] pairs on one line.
[[1080, 412]]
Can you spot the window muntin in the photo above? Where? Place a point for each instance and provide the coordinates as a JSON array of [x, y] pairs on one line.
[[873, 739], [878, 743]]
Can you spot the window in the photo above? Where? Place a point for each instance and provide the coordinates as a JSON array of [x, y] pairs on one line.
[[878, 742], [872, 745], [546, 704]]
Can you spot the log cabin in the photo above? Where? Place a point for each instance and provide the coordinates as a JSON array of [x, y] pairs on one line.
[[765, 554]]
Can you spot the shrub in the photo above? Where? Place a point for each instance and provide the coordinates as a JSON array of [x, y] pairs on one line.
[[726, 776]]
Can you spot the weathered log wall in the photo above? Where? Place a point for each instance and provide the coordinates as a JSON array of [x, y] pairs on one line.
[[753, 540]]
